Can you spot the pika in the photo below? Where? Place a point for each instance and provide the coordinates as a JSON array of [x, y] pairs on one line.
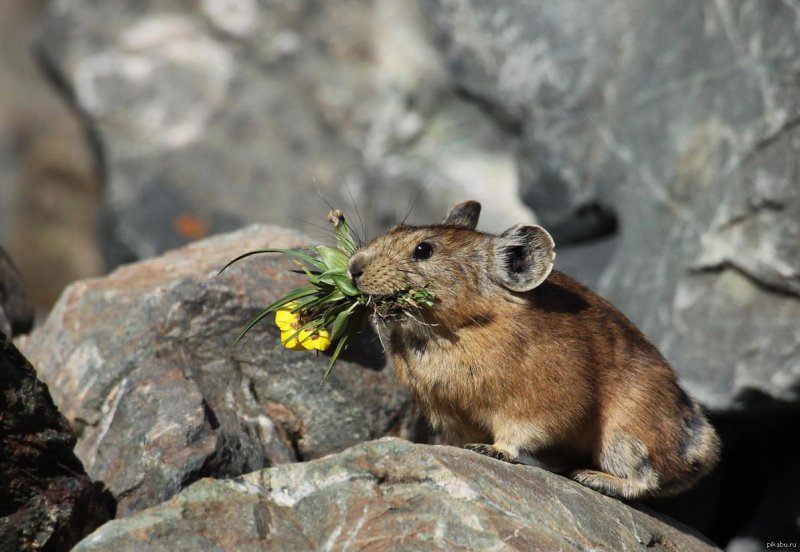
[[515, 358]]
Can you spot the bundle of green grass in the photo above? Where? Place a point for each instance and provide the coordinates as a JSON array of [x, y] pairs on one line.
[[330, 309]]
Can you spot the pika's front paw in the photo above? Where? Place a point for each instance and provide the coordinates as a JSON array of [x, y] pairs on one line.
[[491, 452]]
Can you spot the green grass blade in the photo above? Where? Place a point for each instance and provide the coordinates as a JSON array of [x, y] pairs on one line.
[[335, 355], [332, 297], [293, 252], [347, 244], [253, 321], [311, 277]]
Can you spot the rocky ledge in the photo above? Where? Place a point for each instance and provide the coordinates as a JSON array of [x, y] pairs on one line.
[[392, 495]]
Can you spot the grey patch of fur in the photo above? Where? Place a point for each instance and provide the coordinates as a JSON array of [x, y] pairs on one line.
[[695, 442], [627, 457]]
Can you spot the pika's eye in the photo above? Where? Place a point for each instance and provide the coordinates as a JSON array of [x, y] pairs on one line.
[[423, 251]]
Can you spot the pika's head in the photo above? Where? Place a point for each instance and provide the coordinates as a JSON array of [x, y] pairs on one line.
[[453, 260]]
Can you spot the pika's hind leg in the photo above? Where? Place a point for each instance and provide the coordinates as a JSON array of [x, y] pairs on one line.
[[609, 484], [627, 473]]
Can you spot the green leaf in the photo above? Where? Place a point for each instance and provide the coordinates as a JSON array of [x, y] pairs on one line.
[[292, 252], [340, 322], [345, 285], [332, 257], [335, 355], [327, 276], [334, 272]]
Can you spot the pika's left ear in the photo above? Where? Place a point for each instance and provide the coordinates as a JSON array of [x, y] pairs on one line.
[[523, 257], [464, 214]]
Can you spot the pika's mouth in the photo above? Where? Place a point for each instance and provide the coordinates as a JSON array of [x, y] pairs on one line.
[[395, 306]]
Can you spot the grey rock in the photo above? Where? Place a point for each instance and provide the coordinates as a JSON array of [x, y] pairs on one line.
[[47, 502], [392, 495], [689, 132], [234, 112], [16, 308], [142, 363]]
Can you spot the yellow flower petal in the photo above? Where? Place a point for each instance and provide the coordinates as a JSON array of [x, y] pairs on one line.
[[289, 340], [319, 339], [287, 320]]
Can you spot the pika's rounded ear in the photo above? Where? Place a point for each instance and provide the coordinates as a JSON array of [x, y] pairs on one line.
[[523, 257], [464, 214]]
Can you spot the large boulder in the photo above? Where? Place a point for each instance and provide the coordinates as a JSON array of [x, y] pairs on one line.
[[683, 119], [213, 114], [392, 495], [47, 502], [142, 363]]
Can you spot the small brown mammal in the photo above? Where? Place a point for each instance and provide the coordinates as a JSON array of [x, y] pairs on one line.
[[517, 358]]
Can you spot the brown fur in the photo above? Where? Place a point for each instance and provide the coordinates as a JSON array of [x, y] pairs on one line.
[[555, 371]]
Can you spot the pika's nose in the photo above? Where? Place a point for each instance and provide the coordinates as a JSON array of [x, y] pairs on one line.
[[355, 268]]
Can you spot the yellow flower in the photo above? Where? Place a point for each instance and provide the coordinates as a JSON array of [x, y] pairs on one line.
[[306, 339], [286, 319], [289, 323], [317, 339], [289, 340]]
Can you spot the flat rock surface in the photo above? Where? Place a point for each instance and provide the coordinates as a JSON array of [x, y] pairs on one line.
[[142, 363], [47, 502], [393, 495]]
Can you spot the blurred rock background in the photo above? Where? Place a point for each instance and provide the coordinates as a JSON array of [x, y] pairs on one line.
[[657, 141], [50, 190]]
